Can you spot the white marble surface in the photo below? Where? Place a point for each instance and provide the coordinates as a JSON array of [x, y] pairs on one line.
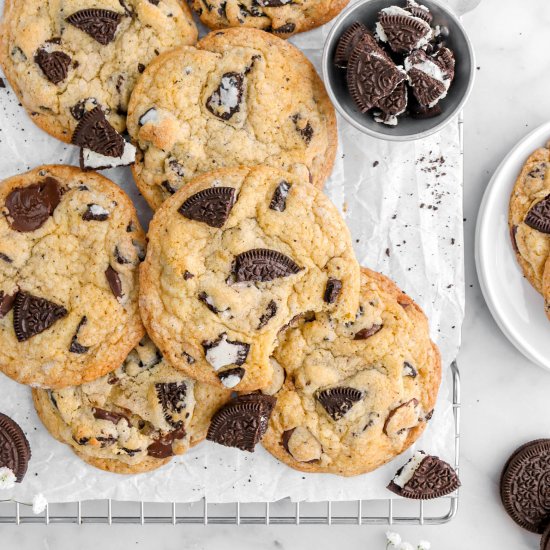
[[505, 398]]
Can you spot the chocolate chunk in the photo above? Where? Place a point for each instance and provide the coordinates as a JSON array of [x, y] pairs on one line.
[[141, 67], [432, 478], [399, 419], [332, 290], [305, 130], [113, 279], [169, 189], [2, 83], [5, 258], [100, 24], [33, 315], [15, 451], [82, 106], [162, 447], [110, 416], [285, 438], [231, 377], [54, 65], [94, 212], [187, 275], [270, 312], [6, 303], [29, 207], [95, 133], [524, 485], [365, 333], [171, 396], [75, 347], [513, 232], [210, 206], [207, 301], [242, 422], [538, 216], [262, 264], [347, 42], [403, 33], [287, 28], [371, 74], [278, 201], [409, 370], [226, 99], [223, 352], [338, 401]]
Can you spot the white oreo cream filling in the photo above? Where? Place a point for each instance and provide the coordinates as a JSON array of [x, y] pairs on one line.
[[407, 472], [433, 70], [230, 381], [91, 159], [224, 353]]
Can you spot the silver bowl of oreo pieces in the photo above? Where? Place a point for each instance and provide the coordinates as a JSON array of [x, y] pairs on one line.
[[398, 70]]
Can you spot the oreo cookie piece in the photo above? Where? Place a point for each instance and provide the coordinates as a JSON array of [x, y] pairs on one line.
[[100, 24], [424, 477], [338, 401], [371, 74], [242, 422], [226, 99], [262, 264], [210, 206], [524, 488], [392, 106], [538, 217], [15, 451], [54, 65], [349, 39]]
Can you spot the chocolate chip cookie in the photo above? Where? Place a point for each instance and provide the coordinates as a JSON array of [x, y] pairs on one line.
[[133, 419], [282, 17], [68, 57], [233, 257], [529, 220], [244, 97], [355, 394], [70, 246]]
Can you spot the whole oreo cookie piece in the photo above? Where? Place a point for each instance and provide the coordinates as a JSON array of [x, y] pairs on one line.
[[525, 485], [15, 451]]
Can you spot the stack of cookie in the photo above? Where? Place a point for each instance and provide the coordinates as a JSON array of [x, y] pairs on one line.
[[248, 317]]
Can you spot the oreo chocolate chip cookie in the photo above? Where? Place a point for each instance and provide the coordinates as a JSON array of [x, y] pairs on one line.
[[134, 419], [230, 229], [15, 451], [68, 276]]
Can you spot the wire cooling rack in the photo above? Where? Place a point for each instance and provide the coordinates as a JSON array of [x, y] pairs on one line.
[[359, 512]]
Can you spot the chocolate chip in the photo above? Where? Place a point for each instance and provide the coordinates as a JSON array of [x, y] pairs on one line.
[[404, 33], [365, 333], [287, 28], [110, 416], [100, 24], [285, 438], [5, 258], [278, 201], [166, 184], [242, 422], [75, 347], [162, 447], [54, 65], [513, 232], [210, 206], [262, 264], [171, 396], [95, 133], [332, 290], [270, 312], [207, 301], [226, 99], [347, 42], [409, 370], [6, 303], [29, 207], [15, 451], [538, 216], [187, 275], [95, 212], [338, 401], [114, 282], [33, 315], [231, 377]]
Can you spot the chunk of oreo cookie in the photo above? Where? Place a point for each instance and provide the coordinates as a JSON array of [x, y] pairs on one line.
[[538, 216], [226, 99], [338, 401], [54, 65], [210, 206], [347, 42], [15, 451], [401, 30], [100, 24], [94, 132], [262, 264]]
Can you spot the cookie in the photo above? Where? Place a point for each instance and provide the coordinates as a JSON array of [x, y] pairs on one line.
[[355, 394], [70, 246], [232, 258], [66, 58], [424, 477], [529, 218], [281, 17], [135, 418], [15, 451], [244, 97], [524, 485]]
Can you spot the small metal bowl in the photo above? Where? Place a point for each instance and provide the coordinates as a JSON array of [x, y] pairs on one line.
[[408, 128]]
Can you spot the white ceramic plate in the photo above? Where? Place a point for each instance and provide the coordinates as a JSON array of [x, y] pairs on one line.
[[516, 306]]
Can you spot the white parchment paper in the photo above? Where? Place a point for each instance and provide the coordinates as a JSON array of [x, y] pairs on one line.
[[403, 204]]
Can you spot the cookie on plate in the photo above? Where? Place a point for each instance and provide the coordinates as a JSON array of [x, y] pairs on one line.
[[133, 419], [354, 394], [282, 17], [244, 97], [232, 258], [67, 57], [529, 218], [70, 246]]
